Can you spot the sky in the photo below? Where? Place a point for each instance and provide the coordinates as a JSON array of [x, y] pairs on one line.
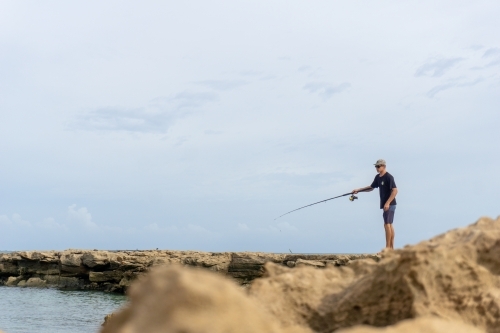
[[192, 125]]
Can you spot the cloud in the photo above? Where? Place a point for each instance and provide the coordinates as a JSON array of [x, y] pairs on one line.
[[325, 90], [50, 223], [492, 53], [451, 84], [82, 216], [285, 226], [198, 229], [156, 117], [280, 227], [15, 220], [437, 67], [223, 84], [4, 220]]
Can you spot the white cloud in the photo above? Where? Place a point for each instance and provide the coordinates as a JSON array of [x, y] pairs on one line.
[[82, 216], [4, 220], [15, 220], [50, 223], [198, 229], [278, 228], [287, 226]]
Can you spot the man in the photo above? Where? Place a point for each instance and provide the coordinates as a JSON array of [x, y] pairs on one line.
[[388, 191]]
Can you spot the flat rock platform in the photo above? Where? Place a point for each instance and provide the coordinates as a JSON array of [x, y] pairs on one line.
[[114, 271]]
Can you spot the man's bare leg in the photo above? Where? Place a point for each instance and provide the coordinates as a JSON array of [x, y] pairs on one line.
[[392, 236], [388, 235]]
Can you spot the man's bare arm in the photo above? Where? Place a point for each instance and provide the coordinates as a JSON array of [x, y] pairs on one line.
[[394, 192], [363, 189]]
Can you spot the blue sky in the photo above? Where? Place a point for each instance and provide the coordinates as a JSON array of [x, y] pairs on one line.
[[192, 125]]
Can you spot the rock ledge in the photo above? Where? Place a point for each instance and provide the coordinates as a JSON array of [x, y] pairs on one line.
[[115, 270]]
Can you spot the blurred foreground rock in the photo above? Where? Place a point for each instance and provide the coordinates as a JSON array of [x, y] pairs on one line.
[[115, 270], [449, 284], [455, 276], [419, 325], [177, 299]]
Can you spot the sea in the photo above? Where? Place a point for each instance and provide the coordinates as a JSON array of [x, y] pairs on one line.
[[46, 310]]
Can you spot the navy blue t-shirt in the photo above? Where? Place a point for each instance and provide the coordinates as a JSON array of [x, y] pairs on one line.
[[385, 185]]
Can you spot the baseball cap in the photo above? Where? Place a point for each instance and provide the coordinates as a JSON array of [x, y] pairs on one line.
[[380, 162]]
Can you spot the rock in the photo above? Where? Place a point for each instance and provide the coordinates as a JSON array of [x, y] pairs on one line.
[[52, 280], [454, 276], [95, 258], [115, 276], [177, 299], [21, 283], [313, 263], [71, 259], [70, 283], [7, 267], [127, 279], [13, 281], [115, 270], [107, 318], [46, 257], [36, 282], [419, 325], [247, 266]]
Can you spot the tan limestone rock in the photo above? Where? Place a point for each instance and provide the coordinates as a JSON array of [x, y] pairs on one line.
[[13, 281], [70, 258], [36, 282], [176, 299], [97, 258], [419, 325], [114, 276], [454, 276], [313, 263]]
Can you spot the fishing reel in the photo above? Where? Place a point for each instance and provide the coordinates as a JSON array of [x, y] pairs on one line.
[[353, 197]]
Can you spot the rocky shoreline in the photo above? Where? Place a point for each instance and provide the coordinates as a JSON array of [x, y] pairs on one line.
[[114, 271]]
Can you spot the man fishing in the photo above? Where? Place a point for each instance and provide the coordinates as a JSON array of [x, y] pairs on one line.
[[388, 191]]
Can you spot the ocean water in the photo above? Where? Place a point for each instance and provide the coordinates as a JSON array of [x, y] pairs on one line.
[[33, 310]]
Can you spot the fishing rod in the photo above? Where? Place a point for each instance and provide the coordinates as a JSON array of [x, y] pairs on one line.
[[351, 198]]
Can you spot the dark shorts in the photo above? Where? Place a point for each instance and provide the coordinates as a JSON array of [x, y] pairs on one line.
[[389, 214]]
